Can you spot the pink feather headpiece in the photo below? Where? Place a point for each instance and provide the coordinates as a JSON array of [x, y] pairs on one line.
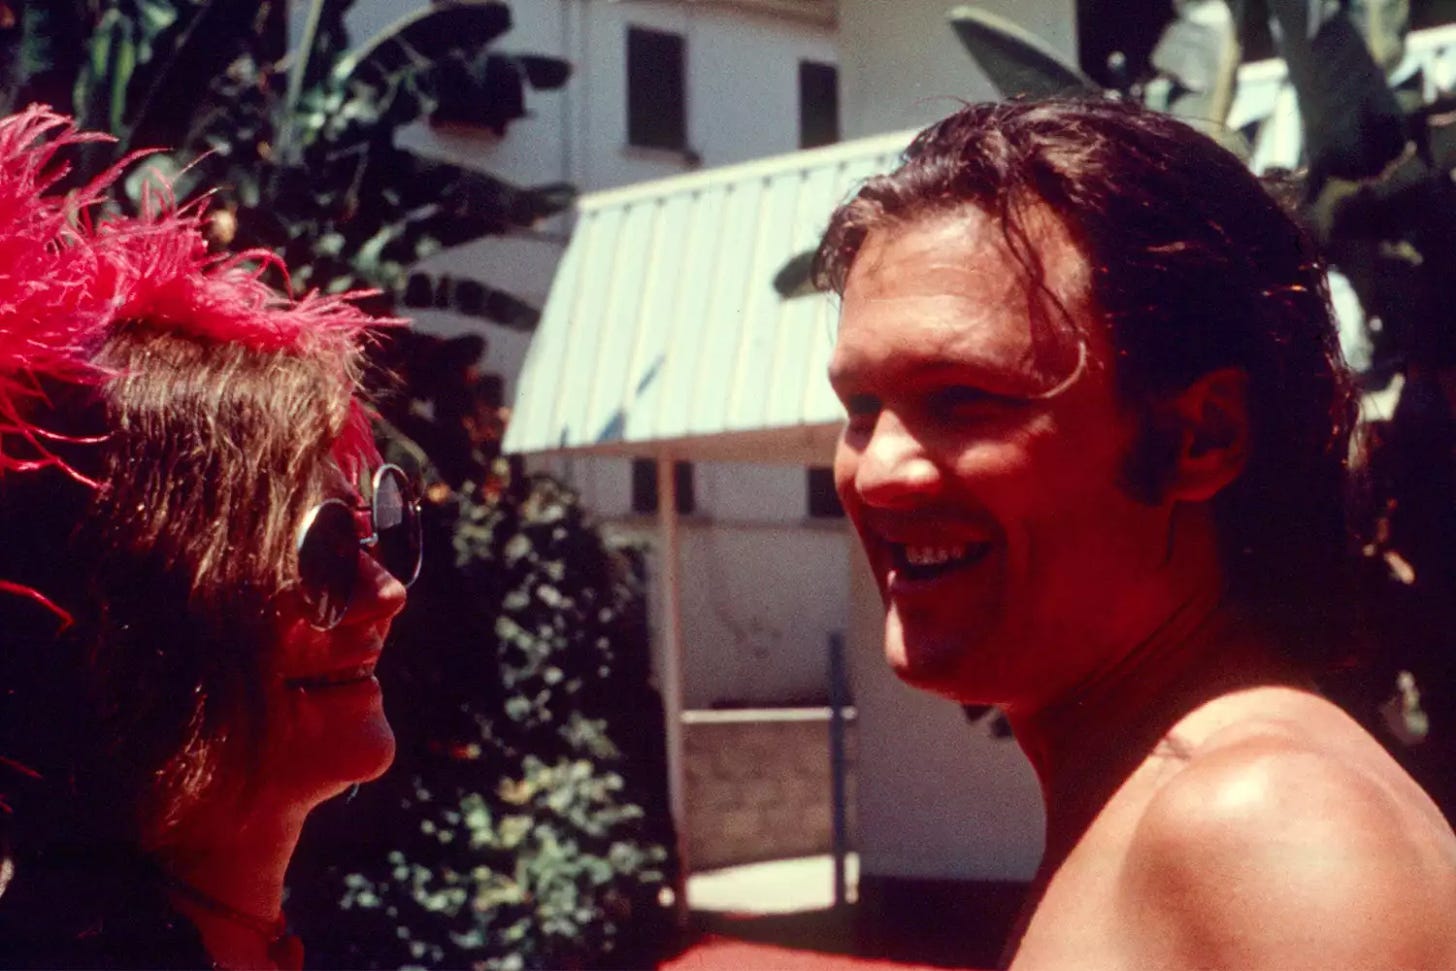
[[69, 274]]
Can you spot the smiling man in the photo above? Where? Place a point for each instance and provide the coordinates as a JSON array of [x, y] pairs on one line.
[[1096, 453]]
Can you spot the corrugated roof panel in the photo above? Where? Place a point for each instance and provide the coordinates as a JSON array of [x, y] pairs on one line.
[[686, 333], [657, 322], [727, 323], [583, 346], [787, 370], [535, 422], [758, 345], [605, 415], [663, 325]]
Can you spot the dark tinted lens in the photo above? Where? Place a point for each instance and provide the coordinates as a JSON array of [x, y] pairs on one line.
[[328, 562], [397, 522]]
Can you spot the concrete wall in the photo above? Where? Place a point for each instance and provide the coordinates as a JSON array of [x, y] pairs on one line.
[[904, 68], [758, 785]]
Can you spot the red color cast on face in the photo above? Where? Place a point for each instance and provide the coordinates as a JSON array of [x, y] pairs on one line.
[[326, 728], [1012, 562]]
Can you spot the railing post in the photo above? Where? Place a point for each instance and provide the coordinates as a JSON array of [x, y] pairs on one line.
[[672, 679], [837, 700]]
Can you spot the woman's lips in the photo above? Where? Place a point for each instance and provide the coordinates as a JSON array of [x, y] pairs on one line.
[[337, 678]]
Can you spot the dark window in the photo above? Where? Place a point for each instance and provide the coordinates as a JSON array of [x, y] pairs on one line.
[[818, 104], [656, 92], [644, 486], [823, 500]]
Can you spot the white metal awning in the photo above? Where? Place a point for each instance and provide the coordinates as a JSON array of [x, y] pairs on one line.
[[663, 330]]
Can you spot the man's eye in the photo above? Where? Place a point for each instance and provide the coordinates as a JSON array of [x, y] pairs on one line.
[[959, 398]]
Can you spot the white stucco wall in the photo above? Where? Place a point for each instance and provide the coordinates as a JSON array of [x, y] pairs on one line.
[[741, 86], [902, 67], [762, 583], [759, 602]]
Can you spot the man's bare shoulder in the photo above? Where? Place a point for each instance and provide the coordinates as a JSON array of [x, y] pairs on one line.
[[1290, 839]]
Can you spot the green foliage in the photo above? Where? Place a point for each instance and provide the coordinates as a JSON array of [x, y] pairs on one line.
[[299, 147], [524, 824]]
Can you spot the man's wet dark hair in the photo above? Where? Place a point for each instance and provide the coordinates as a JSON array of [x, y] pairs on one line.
[[1195, 266]]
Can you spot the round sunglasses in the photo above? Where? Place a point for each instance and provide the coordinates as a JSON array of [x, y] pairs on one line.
[[329, 541]]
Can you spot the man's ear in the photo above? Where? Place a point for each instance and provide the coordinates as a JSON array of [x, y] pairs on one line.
[[1212, 418]]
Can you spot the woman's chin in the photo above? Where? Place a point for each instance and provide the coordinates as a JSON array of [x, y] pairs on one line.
[[321, 757], [365, 757], [375, 758]]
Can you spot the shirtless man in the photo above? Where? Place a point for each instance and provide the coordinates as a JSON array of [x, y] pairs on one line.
[[1095, 451]]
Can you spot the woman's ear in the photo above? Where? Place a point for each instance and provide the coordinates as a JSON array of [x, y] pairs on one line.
[[1212, 420]]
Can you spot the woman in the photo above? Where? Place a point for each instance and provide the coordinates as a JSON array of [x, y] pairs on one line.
[[201, 559]]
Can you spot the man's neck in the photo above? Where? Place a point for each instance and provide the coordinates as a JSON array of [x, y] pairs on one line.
[[1086, 744]]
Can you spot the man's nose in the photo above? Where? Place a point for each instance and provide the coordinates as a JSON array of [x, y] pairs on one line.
[[895, 469], [380, 595]]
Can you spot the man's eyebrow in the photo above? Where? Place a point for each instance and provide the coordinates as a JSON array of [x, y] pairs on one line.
[[969, 369], [994, 378]]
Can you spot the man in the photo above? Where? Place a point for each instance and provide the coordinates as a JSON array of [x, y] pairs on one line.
[[1095, 451]]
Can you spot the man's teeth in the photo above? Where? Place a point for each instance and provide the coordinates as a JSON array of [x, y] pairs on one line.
[[933, 555], [926, 560]]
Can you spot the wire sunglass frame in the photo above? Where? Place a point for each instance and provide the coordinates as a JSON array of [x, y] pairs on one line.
[[316, 600]]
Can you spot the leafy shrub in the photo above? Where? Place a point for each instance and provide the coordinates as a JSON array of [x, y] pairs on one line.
[[524, 823]]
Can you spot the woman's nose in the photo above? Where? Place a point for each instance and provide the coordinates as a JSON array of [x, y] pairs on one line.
[[380, 595]]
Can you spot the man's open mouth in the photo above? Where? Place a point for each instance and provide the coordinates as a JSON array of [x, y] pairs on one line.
[[925, 562], [341, 678]]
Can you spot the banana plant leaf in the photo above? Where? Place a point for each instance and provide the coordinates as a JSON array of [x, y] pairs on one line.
[[470, 298], [425, 231], [793, 278], [1017, 61], [442, 31], [392, 80], [1198, 53], [398, 180], [543, 73], [189, 48], [1353, 124], [1383, 24], [489, 89], [42, 50]]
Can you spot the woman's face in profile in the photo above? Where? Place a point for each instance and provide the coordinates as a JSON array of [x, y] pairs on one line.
[[325, 727]]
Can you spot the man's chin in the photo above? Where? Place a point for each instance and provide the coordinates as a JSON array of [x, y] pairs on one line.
[[932, 667]]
